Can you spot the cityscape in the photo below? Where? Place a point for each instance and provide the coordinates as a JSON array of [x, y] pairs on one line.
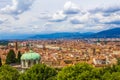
[[60, 53], [60, 40]]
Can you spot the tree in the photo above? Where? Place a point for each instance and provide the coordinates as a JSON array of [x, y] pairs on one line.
[[96, 73], [118, 61], [8, 73], [0, 62], [106, 76], [76, 72], [115, 76], [19, 56], [39, 72], [11, 57]]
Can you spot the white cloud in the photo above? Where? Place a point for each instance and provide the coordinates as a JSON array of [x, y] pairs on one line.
[[110, 9], [45, 16], [112, 19], [17, 7], [71, 8], [58, 17], [62, 15], [80, 19], [3, 20], [44, 20], [83, 21]]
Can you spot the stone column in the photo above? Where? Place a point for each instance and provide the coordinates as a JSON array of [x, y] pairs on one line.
[[37, 61], [22, 63], [32, 62], [26, 63]]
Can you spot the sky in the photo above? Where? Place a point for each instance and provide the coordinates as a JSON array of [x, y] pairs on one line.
[[51, 16]]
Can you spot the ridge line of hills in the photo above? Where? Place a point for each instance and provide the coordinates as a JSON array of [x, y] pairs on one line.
[[111, 33]]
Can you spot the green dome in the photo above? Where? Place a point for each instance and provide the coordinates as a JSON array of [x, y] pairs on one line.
[[30, 56]]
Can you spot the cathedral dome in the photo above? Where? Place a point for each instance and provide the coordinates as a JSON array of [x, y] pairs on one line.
[[31, 56]]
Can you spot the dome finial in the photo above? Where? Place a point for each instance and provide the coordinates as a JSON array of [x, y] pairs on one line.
[[30, 50]]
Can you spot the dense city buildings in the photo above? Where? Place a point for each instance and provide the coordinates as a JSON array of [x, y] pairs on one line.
[[60, 53]]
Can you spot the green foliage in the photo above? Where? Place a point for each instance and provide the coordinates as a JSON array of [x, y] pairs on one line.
[[87, 72], [39, 72], [0, 62], [19, 56], [80, 71], [76, 72], [58, 69], [96, 73], [8, 73], [118, 61], [106, 76], [11, 57], [115, 76], [111, 73]]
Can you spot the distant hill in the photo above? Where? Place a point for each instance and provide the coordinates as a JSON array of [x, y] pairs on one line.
[[64, 35], [111, 33]]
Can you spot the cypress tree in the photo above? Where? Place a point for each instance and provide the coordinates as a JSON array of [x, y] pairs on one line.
[[19, 56], [11, 57]]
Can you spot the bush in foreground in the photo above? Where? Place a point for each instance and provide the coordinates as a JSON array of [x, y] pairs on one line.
[[76, 72], [39, 72], [8, 73]]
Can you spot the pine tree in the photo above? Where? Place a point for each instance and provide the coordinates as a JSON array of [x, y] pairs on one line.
[[19, 56], [0, 62], [11, 57]]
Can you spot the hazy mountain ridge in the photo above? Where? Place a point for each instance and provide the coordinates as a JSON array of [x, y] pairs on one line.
[[111, 33], [58, 35]]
